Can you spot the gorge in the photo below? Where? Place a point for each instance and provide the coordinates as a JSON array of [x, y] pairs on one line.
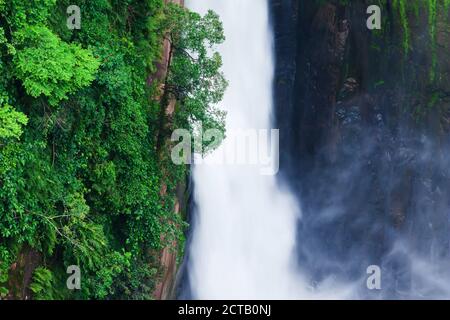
[[363, 119], [341, 189], [243, 228]]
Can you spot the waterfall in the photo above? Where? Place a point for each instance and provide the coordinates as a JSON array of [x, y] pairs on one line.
[[378, 201], [243, 235]]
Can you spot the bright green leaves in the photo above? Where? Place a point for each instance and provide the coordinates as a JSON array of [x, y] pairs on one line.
[[82, 185], [405, 26], [194, 77], [11, 122], [189, 30], [42, 284], [5, 261], [49, 67], [4, 42], [82, 236], [433, 7], [21, 13], [446, 4]]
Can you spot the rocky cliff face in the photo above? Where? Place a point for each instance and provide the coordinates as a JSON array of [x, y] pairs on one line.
[[364, 122], [168, 256]]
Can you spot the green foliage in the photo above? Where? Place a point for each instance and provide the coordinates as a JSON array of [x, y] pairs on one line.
[[42, 284], [402, 7], [405, 25], [80, 173], [21, 13], [5, 261], [432, 6], [432, 18], [11, 122], [194, 77], [47, 66]]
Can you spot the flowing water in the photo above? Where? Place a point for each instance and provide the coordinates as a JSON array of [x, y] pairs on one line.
[[244, 230], [249, 239]]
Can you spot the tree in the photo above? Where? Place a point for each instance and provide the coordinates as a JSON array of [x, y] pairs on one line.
[[11, 122], [194, 76], [65, 69], [80, 178]]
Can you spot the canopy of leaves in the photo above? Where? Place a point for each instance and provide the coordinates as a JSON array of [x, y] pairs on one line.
[[195, 78], [47, 66], [11, 122], [80, 173]]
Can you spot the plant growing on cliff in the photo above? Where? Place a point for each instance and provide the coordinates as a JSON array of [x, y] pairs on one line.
[[432, 18], [194, 77], [401, 6], [79, 175], [432, 6], [11, 123], [42, 284], [65, 69]]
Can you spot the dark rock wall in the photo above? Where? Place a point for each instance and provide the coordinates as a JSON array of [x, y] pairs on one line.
[[364, 142]]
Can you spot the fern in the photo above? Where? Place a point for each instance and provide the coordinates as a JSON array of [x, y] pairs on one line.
[[42, 284]]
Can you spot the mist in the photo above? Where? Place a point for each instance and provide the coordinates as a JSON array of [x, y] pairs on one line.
[[370, 191]]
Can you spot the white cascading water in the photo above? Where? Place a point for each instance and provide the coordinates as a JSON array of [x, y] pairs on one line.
[[244, 236], [244, 232]]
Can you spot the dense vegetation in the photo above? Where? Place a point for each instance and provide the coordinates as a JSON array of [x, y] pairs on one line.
[[81, 168]]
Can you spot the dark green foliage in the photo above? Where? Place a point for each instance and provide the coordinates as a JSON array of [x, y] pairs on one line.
[[47, 66], [80, 175], [42, 284], [11, 122], [194, 77]]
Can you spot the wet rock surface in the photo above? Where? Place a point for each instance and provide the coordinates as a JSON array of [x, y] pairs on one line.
[[373, 181]]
